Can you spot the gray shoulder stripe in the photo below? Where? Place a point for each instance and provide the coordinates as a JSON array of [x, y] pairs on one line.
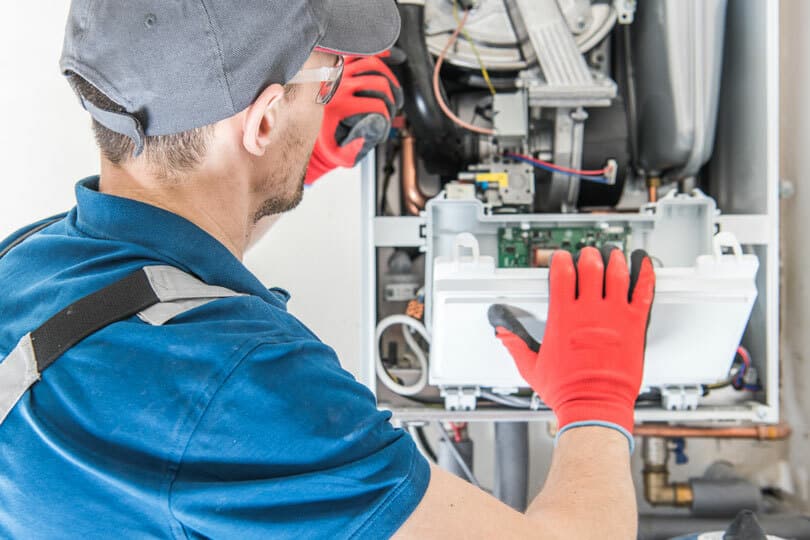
[[178, 293], [171, 284], [161, 313], [18, 371]]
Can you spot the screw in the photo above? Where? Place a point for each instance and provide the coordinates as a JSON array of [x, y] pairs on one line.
[[787, 189], [579, 115]]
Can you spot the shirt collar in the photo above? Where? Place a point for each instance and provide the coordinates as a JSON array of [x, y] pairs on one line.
[[175, 240]]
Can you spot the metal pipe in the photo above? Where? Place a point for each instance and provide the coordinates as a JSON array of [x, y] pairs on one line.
[[415, 200], [512, 464], [775, 432], [661, 527], [723, 497]]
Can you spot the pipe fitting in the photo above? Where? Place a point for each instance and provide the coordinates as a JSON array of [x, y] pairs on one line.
[[658, 490]]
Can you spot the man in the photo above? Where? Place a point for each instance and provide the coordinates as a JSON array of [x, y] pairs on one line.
[[232, 420]]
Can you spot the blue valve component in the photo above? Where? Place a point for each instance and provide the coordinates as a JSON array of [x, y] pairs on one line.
[[484, 185], [678, 447]]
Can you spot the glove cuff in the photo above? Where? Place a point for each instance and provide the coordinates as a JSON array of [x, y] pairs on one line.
[[618, 416], [598, 423]]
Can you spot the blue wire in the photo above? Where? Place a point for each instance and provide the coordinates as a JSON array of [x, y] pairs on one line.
[[740, 384], [595, 179]]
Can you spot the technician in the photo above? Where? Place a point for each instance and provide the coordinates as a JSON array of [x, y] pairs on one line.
[[228, 418]]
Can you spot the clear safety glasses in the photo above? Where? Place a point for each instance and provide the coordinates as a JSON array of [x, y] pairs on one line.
[[329, 77]]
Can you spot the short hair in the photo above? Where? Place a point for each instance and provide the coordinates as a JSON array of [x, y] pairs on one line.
[[169, 154]]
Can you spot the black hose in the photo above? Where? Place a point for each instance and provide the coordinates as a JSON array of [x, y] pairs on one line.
[[420, 434], [444, 148]]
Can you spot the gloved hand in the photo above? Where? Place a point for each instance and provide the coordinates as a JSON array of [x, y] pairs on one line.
[[590, 365], [359, 116]]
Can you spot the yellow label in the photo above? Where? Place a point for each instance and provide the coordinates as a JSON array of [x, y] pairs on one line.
[[502, 179]]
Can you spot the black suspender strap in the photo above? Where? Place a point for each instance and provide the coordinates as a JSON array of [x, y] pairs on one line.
[[31, 232], [156, 294], [39, 349], [113, 303]]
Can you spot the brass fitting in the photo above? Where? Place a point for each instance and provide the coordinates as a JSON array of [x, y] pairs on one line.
[[658, 490]]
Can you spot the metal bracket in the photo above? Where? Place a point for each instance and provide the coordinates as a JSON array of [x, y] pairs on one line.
[[537, 403], [625, 10], [460, 399], [566, 78], [681, 398], [562, 191], [399, 231]]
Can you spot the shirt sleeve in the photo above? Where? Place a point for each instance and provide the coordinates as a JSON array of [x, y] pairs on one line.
[[292, 446]]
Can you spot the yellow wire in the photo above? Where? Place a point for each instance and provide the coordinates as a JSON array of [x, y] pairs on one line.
[[484, 71]]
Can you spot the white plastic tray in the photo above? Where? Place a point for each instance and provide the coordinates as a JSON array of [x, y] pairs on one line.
[[696, 324]]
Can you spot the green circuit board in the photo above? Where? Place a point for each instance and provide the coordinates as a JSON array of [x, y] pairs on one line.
[[526, 248]]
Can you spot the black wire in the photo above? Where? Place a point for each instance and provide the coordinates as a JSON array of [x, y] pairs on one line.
[[392, 151], [483, 403], [424, 400], [734, 372], [420, 434], [480, 110], [653, 396]]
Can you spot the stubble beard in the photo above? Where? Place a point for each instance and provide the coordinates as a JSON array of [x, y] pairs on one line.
[[287, 181]]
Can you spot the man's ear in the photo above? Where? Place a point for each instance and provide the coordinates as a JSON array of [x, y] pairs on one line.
[[260, 119]]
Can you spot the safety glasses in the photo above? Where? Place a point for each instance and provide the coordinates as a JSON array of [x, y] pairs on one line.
[[329, 77]]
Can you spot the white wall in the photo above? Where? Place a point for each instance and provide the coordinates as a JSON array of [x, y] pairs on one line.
[[795, 167], [46, 146], [314, 252], [45, 140]]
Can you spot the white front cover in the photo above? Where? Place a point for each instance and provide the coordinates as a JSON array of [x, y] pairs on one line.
[[696, 324]]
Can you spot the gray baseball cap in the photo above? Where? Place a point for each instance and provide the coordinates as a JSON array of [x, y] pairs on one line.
[[181, 64]]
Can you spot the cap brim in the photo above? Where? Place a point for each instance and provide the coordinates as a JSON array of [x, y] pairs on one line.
[[361, 28]]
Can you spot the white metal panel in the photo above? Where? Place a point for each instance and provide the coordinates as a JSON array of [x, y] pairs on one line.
[[697, 320]]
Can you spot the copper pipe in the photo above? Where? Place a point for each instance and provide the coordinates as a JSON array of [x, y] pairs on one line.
[[415, 200], [653, 183], [776, 432]]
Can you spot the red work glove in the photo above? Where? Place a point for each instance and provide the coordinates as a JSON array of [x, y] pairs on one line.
[[590, 365], [359, 116]]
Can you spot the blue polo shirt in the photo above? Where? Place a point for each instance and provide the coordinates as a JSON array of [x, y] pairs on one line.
[[231, 421]]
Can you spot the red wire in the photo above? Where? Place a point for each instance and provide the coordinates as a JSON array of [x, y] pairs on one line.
[[581, 172], [437, 87], [457, 435], [745, 355]]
